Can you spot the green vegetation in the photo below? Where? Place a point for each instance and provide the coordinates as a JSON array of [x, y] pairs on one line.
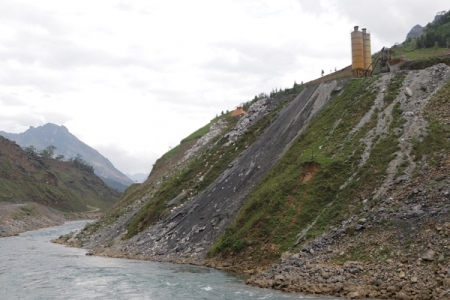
[[79, 163], [420, 64], [189, 141], [394, 88], [48, 152], [437, 113], [309, 184], [410, 51], [436, 33]]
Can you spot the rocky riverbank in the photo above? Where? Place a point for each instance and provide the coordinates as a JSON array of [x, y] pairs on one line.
[[18, 218], [385, 280], [398, 249]]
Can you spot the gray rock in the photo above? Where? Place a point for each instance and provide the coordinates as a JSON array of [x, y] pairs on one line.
[[177, 199], [359, 227], [408, 92], [429, 255]]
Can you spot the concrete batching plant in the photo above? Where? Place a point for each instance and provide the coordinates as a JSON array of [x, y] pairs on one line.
[[361, 53]]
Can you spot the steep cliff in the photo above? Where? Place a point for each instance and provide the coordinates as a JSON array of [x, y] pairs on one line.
[[346, 181]]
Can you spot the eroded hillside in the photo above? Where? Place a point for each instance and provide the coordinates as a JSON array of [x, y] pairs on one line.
[[346, 181]]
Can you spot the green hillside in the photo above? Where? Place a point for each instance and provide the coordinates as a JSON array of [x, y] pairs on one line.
[[67, 186]]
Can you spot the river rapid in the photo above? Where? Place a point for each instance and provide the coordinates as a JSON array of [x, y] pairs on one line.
[[31, 267]]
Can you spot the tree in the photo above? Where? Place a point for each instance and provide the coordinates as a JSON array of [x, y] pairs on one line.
[[30, 150], [81, 164], [48, 152]]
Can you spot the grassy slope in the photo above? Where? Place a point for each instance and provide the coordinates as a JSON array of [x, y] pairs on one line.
[[409, 51], [52, 183], [305, 185]]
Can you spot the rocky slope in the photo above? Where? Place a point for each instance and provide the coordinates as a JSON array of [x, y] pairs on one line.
[[347, 182]]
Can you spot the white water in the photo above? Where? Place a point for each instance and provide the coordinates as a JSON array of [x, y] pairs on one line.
[[31, 267]]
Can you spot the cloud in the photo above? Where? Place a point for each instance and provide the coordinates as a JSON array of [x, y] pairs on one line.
[[35, 18], [389, 20], [250, 58], [312, 7], [16, 123], [124, 6], [55, 117], [10, 100], [63, 54]]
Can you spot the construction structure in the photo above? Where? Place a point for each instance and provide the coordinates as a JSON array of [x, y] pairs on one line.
[[238, 111], [361, 53]]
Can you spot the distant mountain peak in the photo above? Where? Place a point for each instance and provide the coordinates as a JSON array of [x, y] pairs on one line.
[[418, 30]]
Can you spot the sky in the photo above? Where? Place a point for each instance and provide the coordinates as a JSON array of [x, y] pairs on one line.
[[133, 78]]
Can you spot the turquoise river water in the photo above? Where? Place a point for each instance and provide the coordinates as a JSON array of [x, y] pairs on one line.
[[31, 267]]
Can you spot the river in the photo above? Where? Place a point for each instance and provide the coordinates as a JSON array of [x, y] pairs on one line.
[[31, 267]]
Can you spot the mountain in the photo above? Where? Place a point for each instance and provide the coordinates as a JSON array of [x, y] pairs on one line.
[[138, 177], [69, 146], [339, 188], [62, 185], [416, 31]]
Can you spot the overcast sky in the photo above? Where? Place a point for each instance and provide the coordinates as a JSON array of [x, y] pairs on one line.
[[133, 78]]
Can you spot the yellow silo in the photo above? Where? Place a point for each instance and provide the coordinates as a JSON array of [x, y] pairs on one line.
[[367, 53], [357, 52]]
